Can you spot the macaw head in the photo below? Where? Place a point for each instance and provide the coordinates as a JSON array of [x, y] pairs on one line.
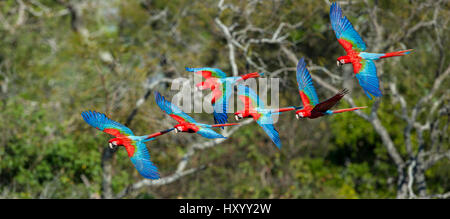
[[179, 128], [302, 114], [241, 114], [186, 127], [115, 143], [343, 60]]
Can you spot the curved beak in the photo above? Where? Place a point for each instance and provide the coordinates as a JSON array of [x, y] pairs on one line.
[[338, 63], [296, 116], [176, 130], [236, 117], [112, 147]]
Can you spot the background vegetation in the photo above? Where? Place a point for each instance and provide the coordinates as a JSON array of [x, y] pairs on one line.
[[59, 58]]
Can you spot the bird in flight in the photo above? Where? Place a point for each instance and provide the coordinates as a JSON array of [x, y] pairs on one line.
[[185, 122], [254, 108], [135, 145], [311, 106], [363, 65], [222, 88]]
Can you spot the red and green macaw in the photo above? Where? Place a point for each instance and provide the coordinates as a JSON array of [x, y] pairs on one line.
[[311, 106], [135, 146], [254, 108], [363, 65], [222, 87], [187, 123]]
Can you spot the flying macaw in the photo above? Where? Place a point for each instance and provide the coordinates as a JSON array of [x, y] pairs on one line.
[[363, 65], [185, 122], [311, 106], [135, 146], [222, 88], [254, 107]]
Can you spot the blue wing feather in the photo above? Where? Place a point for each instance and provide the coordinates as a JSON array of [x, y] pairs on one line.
[[305, 83], [209, 133], [221, 105], [142, 163], [266, 122], [170, 108], [220, 118], [217, 73], [344, 29], [102, 122], [367, 78], [247, 91]]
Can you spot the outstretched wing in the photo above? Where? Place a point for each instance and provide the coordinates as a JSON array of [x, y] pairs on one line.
[[220, 101], [305, 85], [326, 105], [366, 73], [249, 97], [345, 33], [208, 72], [142, 163], [172, 110], [101, 122], [266, 122], [209, 133]]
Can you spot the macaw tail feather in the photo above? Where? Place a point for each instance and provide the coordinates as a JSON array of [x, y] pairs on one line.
[[152, 136], [251, 75], [222, 125], [298, 107], [286, 109], [220, 118], [398, 53], [350, 109]]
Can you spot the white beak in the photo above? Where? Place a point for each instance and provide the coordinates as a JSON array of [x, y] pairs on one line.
[[110, 146], [176, 130], [236, 117], [296, 116], [338, 63]]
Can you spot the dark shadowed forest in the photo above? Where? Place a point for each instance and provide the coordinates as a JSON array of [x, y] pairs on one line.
[[59, 58]]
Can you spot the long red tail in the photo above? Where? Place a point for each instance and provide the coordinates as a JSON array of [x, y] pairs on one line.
[[251, 75], [398, 53], [227, 124], [286, 109], [350, 109], [158, 133]]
